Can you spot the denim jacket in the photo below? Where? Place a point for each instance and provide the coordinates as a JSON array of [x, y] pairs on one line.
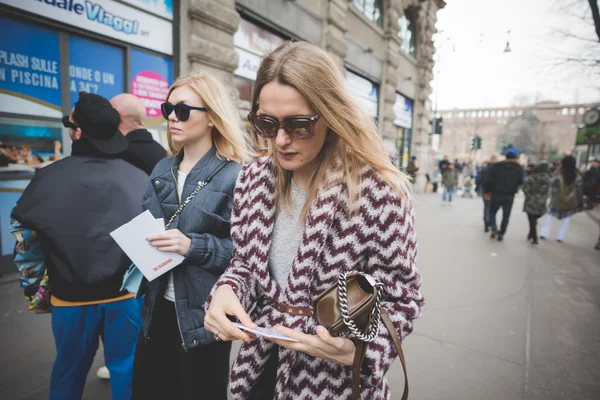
[[205, 220]]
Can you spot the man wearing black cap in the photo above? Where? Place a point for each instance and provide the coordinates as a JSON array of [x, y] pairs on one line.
[[72, 206], [500, 186]]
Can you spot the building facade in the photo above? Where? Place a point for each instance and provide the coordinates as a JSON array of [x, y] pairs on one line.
[[547, 128], [52, 49]]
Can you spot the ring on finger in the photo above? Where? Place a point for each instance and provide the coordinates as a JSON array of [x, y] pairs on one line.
[[217, 338]]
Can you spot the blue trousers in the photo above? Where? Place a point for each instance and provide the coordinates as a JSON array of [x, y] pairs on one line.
[[76, 333], [449, 192]]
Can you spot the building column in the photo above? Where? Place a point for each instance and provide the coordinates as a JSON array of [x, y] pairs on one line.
[[334, 30], [389, 80], [206, 39], [422, 107]]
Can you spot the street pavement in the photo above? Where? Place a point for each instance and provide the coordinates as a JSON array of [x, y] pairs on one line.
[[502, 320]]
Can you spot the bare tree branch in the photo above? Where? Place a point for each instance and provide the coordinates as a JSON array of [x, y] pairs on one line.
[[595, 16]]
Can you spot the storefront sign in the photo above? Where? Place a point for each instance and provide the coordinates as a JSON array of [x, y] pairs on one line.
[[365, 91], [403, 111], [151, 79], [94, 68], [29, 69], [106, 17], [162, 8], [252, 43]]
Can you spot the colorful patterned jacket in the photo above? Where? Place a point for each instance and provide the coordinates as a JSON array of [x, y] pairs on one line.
[[378, 240], [30, 259]]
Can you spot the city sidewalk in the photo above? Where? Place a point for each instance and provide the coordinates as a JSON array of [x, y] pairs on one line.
[[502, 320]]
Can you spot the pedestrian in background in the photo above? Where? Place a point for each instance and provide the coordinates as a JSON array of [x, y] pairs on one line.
[[143, 151], [412, 169], [566, 198], [536, 189], [487, 196], [325, 164], [449, 181], [436, 179], [591, 184], [72, 206], [444, 163], [502, 183], [176, 358]]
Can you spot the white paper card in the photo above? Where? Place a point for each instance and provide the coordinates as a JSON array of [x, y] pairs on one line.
[[131, 237], [266, 332]]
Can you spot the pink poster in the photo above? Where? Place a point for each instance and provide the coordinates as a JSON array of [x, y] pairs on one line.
[[152, 88]]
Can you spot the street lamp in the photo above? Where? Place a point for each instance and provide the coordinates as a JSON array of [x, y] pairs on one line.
[[507, 48]]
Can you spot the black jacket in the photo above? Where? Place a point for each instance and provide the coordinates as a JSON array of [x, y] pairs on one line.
[[143, 151], [504, 178], [74, 204], [205, 220]]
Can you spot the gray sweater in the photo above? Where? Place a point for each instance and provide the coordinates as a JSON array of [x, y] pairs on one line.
[[287, 235]]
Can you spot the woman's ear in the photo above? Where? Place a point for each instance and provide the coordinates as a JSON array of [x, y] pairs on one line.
[[210, 122]]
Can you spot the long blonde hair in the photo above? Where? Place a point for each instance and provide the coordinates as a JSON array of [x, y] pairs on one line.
[[352, 143], [227, 134]]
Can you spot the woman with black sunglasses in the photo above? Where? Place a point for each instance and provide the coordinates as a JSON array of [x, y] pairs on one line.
[[326, 200], [176, 358]]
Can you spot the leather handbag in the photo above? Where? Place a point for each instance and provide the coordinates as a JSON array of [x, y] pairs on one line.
[[351, 309]]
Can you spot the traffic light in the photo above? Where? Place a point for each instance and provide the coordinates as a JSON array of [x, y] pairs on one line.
[[438, 125], [477, 142], [472, 143]]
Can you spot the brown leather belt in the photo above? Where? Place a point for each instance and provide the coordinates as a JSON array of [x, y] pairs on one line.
[[285, 308]]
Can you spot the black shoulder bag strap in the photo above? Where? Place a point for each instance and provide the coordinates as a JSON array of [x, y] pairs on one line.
[[200, 186]]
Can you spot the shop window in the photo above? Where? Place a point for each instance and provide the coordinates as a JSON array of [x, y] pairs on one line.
[[28, 144], [372, 9], [493, 114], [408, 33], [486, 114]]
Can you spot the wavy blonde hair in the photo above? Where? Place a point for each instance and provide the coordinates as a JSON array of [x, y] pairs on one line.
[[352, 143], [227, 134]]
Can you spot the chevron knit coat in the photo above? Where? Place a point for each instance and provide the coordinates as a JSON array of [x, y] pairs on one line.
[[378, 240]]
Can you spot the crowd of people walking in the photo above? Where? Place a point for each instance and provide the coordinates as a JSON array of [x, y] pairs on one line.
[[551, 191]]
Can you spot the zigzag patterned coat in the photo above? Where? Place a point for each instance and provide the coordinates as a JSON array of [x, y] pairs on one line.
[[379, 240]]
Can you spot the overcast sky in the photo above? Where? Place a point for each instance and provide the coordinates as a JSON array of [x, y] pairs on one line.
[[473, 71]]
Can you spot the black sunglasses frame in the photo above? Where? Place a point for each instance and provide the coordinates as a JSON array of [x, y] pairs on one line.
[[311, 119], [67, 123], [182, 111]]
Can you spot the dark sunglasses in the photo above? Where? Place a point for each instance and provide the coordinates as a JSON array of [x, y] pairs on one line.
[[182, 111], [300, 127], [68, 124]]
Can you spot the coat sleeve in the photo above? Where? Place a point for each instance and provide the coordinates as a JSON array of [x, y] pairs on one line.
[[209, 252], [392, 260], [238, 274], [488, 184]]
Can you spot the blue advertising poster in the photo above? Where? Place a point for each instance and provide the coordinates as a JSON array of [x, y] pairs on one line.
[[151, 78], [29, 69], [94, 68]]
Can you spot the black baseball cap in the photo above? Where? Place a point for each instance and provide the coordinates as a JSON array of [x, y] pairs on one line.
[[99, 123]]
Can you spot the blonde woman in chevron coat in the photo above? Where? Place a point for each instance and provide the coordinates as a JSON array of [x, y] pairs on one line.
[[326, 200]]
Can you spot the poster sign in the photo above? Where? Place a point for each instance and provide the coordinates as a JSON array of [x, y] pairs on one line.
[[151, 79], [94, 68], [252, 42], [106, 17], [365, 91], [152, 88], [29, 69], [403, 111], [162, 8]]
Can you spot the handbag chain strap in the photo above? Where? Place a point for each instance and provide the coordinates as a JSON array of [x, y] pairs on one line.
[[200, 186], [376, 313]]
